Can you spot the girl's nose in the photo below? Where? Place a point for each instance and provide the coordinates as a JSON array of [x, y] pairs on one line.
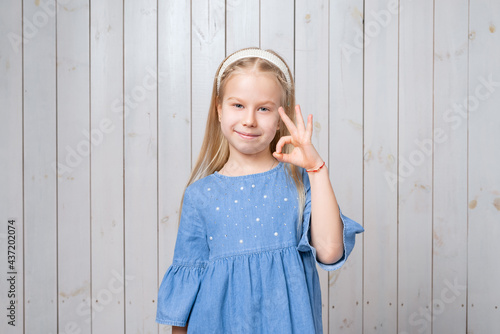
[[249, 118]]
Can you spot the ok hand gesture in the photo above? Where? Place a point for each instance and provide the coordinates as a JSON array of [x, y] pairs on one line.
[[303, 154]]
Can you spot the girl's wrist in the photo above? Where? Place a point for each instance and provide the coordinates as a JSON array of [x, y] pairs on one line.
[[316, 169]]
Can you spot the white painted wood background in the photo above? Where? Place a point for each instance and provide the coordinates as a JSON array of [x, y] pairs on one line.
[[115, 95]]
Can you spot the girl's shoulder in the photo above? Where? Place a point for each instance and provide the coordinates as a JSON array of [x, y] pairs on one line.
[[197, 186], [206, 188]]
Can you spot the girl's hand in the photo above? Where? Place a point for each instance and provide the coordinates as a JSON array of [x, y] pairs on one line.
[[303, 154]]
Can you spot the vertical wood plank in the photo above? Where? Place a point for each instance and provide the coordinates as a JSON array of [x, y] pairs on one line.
[[174, 123], [73, 135], [483, 177], [40, 182], [141, 162], [311, 74], [450, 170], [242, 25], [208, 51], [415, 172], [277, 29], [106, 309], [11, 165], [380, 169], [346, 156]]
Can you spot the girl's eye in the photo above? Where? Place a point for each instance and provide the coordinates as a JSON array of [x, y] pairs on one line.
[[237, 105], [264, 109]]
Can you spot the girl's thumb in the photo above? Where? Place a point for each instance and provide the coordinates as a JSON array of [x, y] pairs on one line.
[[281, 157]]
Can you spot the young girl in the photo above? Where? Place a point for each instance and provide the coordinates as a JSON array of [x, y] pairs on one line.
[[257, 214]]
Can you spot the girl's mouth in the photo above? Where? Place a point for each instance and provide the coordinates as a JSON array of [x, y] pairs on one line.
[[246, 135]]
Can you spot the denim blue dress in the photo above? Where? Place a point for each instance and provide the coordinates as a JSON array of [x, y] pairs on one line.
[[240, 265]]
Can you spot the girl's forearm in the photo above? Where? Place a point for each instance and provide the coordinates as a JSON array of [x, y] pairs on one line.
[[326, 224], [179, 330]]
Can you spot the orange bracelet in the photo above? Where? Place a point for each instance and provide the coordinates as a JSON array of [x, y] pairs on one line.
[[316, 170]]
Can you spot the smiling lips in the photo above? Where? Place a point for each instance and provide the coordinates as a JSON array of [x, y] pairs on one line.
[[246, 135]]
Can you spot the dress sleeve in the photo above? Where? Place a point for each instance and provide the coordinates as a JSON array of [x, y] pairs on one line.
[[181, 282], [351, 228]]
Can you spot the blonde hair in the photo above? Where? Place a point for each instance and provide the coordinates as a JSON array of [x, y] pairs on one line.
[[214, 151]]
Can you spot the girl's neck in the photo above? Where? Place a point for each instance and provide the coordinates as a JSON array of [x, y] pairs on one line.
[[240, 167]]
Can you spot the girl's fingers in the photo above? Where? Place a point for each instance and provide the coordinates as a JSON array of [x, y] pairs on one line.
[[282, 157], [309, 128], [300, 121], [282, 142], [302, 133], [288, 122]]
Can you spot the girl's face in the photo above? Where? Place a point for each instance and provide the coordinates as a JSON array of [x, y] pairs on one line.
[[248, 113]]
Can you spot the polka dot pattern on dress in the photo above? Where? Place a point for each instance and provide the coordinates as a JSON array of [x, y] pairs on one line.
[[246, 207]]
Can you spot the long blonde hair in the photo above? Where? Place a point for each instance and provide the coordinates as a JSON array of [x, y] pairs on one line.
[[214, 151]]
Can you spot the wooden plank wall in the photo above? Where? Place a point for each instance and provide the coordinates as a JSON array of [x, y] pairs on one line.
[[103, 110]]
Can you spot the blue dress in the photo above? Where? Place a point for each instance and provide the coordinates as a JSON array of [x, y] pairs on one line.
[[239, 264]]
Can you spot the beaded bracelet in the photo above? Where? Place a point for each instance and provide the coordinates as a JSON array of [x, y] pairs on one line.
[[316, 170]]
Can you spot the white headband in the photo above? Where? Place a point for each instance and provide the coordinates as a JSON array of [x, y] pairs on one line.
[[249, 53]]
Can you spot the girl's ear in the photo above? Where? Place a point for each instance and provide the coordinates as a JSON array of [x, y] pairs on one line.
[[219, 110]]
